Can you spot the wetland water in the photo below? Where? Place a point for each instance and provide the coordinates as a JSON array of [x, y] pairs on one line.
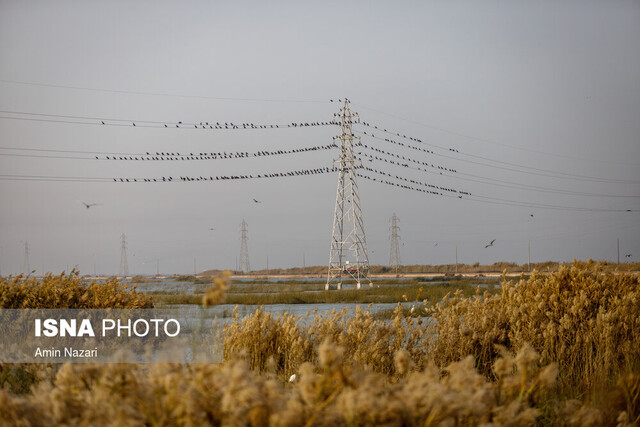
[[225, 311]]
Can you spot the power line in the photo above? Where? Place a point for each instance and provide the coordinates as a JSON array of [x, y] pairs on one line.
[[167, 179], [166, 156], [230, 125], [8, 177], [179, 124], [415, 186], [172, 95], [481, 179], [531, 170], [486, 140]]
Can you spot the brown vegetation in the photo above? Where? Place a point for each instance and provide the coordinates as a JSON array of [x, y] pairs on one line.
[[68, 291], [562, 349]]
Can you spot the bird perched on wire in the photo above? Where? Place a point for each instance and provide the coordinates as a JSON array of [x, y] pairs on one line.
[[490, 244]]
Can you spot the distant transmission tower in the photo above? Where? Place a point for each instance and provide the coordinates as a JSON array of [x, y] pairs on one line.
[[394, 255], [124, 265], [348, 255], [25, 263], [244, 249]]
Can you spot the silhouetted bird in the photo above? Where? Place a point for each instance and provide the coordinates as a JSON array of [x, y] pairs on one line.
[[490, 244], [88, 205], [257, 201]]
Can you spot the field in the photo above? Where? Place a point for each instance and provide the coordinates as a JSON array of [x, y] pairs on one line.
[[556, 349]]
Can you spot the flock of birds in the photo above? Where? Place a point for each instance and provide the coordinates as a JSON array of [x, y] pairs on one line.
[[431, 165], [231, 155], [395, 184], [300, 172], [406, 165], [402, 136], [231, 125], [213, 156], [411, 181]]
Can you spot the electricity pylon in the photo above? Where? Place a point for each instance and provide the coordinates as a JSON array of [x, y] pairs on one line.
[[244, 249], [394, 255], [348, 255], [26, 269], [124, 264]]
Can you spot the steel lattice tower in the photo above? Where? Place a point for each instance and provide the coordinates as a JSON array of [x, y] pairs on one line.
[[26, 269], [394, 255], [124, 264], [244, 249], [348, 255]]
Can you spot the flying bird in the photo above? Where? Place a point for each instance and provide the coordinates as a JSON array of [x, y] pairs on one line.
[[531, 215], [88, 205], [490, 244], [257, 201], [212, 229], [628, 256]]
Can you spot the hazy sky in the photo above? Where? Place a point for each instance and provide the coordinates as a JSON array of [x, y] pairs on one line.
[[541, 100]]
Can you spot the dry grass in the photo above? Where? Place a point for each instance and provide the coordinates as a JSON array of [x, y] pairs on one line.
[[334, 392], [584, 318], [561, 349], [68, 291]]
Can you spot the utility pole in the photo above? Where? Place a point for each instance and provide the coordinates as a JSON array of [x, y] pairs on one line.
[[394, 255], [124, 264], [456, 259], [348, 254], [194, 266], [157, 267], [26, 269], [244, 249], [529, 262], [303, 262], [618, 250]]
